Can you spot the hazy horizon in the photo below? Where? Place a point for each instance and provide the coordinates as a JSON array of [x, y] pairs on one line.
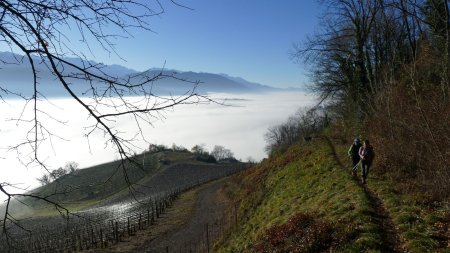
[[239, 127]]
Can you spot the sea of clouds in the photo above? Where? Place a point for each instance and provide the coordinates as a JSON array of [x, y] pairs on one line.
[[239, 126]]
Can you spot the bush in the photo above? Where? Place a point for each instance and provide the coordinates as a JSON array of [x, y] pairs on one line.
[[221, 153], [154, 148], [302, 233], [300, 126], [205, 157], [410, 131], [177, 148]]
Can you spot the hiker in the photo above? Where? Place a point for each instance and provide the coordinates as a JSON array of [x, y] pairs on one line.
[[367, 155], [353, 153]]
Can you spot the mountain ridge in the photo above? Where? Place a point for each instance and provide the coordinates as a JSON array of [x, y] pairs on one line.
[[17, 75]]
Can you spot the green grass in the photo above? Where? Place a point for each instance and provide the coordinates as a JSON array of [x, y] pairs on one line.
[[416, 221], [306, 178]]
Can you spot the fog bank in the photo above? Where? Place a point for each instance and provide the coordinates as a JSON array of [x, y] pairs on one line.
[[239, 126]]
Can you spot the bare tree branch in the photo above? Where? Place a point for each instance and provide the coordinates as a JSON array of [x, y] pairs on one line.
[[37, 30]]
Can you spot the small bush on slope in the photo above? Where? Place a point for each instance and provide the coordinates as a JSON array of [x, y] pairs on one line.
[[302, 233]]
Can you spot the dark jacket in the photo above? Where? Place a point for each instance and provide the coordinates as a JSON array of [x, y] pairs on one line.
[[354, 149], [367, 154]]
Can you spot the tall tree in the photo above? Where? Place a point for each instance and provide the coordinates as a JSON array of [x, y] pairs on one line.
[[342, 53], [438, 17]]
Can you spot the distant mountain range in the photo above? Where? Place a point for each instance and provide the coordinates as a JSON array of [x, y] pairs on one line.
[[16, 76]]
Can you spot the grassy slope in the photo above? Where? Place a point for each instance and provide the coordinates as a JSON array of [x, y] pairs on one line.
[[89, 186], [422, 226], [307, 179], [304, 179]]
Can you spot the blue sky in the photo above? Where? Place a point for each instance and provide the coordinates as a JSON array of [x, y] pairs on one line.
[[246, 38], [250, 39]]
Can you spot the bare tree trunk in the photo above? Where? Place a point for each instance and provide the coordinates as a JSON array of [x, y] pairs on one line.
[[445, 81]]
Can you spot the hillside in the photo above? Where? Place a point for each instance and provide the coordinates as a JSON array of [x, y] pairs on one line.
[[88, 223], [305, 200], [106, 184]]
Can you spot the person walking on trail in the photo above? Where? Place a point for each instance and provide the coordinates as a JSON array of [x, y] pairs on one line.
[[367, 155], [353, 153]]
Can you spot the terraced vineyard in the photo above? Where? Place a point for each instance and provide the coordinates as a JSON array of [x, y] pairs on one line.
[[115, 218]]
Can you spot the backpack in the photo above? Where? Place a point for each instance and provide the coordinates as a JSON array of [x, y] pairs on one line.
[[369, 155], [355, 149]]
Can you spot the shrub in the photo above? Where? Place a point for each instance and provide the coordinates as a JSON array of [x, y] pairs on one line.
[[300, 126], [410, 133], [302, 233], [205, 157]]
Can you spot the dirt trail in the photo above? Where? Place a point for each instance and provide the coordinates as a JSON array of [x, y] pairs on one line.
[[183, 226], [391, 241], [208, 206]]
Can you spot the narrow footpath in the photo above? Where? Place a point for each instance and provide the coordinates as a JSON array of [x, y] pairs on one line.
[[391, 241]]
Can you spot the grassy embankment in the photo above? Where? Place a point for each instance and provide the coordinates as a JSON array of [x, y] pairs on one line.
[[423, 226], [303, 200]]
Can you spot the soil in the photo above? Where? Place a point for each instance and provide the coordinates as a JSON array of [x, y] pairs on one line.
[[183, 226]]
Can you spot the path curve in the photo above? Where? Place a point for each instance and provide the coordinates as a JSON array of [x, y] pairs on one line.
[[208, 207]]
